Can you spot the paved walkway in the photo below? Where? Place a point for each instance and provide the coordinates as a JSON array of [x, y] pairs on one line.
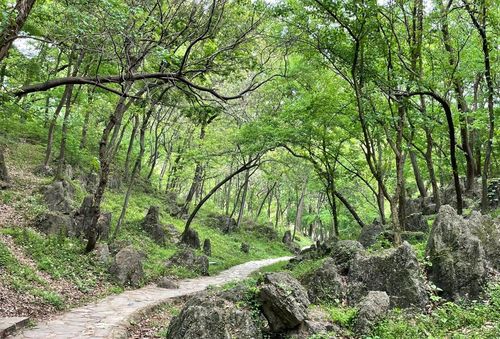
[[110, 317]]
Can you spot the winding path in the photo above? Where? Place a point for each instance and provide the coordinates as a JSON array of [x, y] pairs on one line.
[[109, 318]]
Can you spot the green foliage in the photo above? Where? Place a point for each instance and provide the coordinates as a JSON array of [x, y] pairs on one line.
[[24, 279], [343, 316], [60, 257], [468, 320]]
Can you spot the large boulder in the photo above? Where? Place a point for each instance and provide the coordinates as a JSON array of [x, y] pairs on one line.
[[59, 196], [372, 308], [151, 224], [186, 257], [126, 268], [487, 230], [416, 223], [395, 271], [208, 316], [191, 238], [223, 223], [370, 233], [171, 205], [284, 301], [325, 284], [102, 253], [83, 220], [343, 252], [56, 223], [287, 238], [457, 256]]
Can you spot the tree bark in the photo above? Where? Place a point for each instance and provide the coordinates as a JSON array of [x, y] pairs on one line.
[[248, 165], [14, 26]]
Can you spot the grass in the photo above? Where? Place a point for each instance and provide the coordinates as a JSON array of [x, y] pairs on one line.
[[60, 257], [450, 320], [25, 280]]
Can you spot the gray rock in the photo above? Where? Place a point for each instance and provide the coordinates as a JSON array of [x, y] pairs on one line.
[[4, 175], [284, 301], [371, 309], [343, 252], [487, 230], [90, 181], [287, 238], [457, 256], [68, 171], [44, 171], [245, 247], [207, 247], [151, 224], [395, 271], [325, 284], [56, 223], [223, 223], [83, 220], [102, 253], [369, 233], [187, 258], [126, 268], [168, 283], [191, 238], [104, 225], [59, 196], [172, 207], [208, 316], [416, 223]]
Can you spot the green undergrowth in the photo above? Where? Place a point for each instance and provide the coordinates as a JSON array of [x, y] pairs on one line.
[[225, 247], [480, 319], [25, 280], [60, 257]]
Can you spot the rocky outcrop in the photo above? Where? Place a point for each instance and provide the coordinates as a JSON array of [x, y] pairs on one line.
[[102, 254], [343, 252], [245, 247], [83, 220], [223, 223], [55, 223], [191, 238], [369, 233], [59, 196], [187, 258], [371, 309], [284, 301], [172, 207], [4, 175], [416, 223], [207, 316], [167, 283], [151, 224], [287, 238], [207, 247], [487, 230], [325, 284], [457, 255], [126, 268], [395, 271]]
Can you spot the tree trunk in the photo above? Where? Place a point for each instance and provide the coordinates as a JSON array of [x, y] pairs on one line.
[[416, 173], [105, 162], [243, 198], [4, 175], [12, 28], [300, 209], [248, 165]]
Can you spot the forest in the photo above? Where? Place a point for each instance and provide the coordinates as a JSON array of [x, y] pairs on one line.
[[249, 169]]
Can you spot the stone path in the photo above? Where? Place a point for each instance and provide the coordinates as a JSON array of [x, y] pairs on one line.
[[110, 317]]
